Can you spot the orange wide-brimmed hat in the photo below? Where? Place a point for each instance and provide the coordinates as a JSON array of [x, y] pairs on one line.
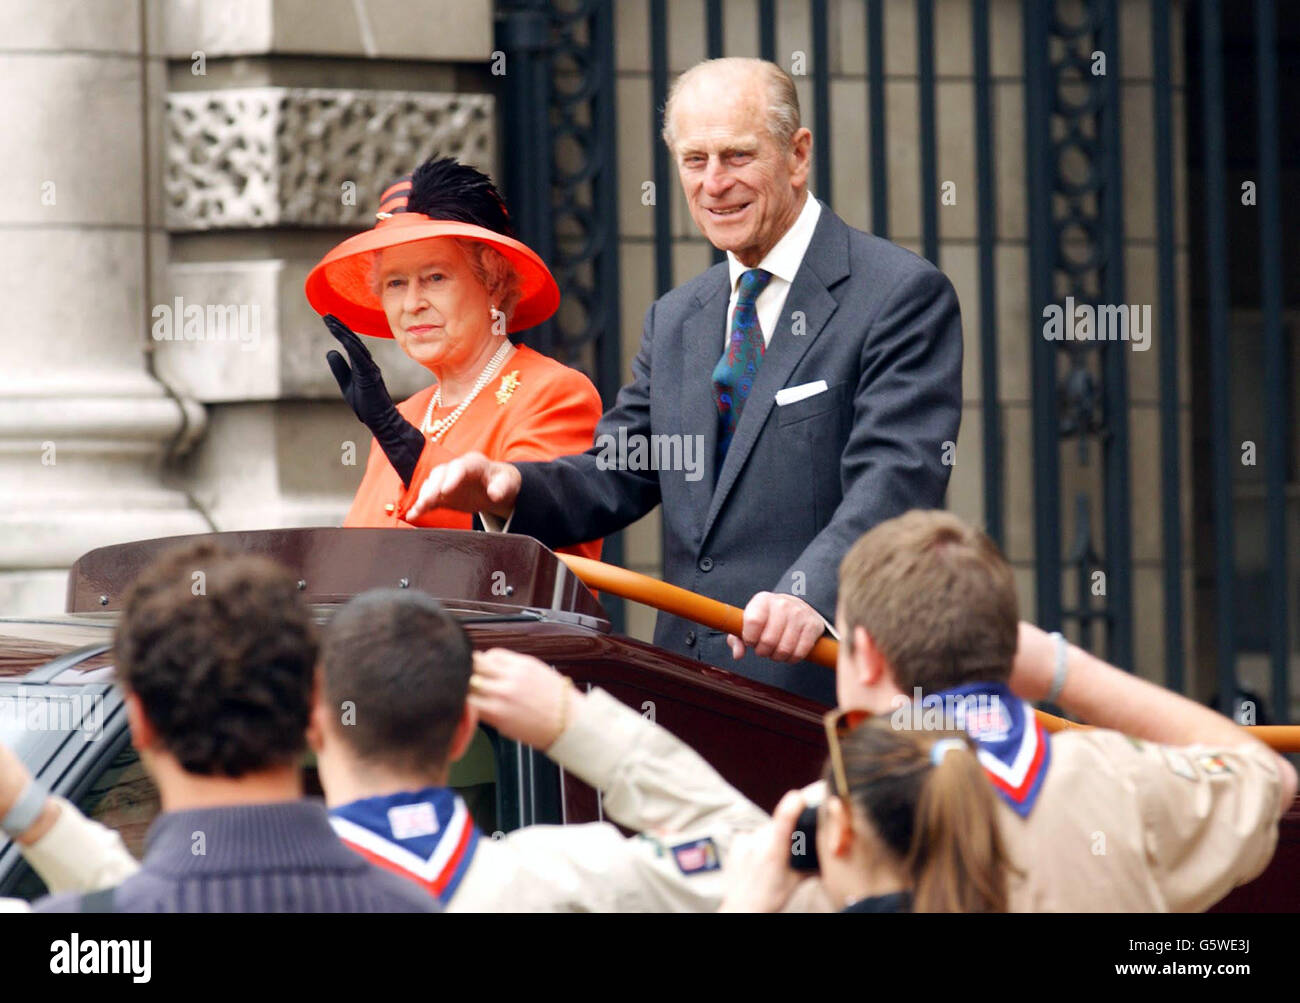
[[340, 282]]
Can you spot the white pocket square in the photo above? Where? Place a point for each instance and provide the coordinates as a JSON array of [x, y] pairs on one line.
[[791, 394]]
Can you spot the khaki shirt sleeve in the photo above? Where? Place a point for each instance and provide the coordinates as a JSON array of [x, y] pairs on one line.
[[79, 854], [589, 868], [1209, 817], [650, 780]]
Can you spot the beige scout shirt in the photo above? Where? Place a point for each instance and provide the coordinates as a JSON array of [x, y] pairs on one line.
[[1120, 825], [1126, 825], [1123, 825], [651, 782]]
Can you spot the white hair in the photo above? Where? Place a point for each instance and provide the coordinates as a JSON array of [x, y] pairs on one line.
[[783, 118]]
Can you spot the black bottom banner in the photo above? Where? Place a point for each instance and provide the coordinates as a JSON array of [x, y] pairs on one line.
[[552, 952]]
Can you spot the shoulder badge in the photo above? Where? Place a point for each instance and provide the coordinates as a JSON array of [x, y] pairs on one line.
[[410, 821], [697, 856]]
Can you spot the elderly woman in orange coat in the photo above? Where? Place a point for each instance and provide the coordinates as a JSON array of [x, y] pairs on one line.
[[441, 273]]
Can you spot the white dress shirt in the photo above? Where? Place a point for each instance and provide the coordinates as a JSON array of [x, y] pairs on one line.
[[783, 262]]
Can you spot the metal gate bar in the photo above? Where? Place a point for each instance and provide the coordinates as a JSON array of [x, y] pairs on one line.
[[987, 235], [876, 117], [1275, 368], [1216, 258], [1171, 511], [929, 158], [1117, 498]]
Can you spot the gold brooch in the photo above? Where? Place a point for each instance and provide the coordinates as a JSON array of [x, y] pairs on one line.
[[508, 383]]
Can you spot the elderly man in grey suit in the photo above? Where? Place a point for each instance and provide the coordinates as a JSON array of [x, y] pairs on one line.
[[818, 368]]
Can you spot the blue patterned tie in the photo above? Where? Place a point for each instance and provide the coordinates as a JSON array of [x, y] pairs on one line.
[[733, 376]]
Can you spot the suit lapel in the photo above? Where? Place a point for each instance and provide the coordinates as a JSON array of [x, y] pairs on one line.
[[824, 264], [702, 342]]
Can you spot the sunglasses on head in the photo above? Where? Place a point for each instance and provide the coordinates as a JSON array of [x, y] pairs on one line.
[[839, 722]]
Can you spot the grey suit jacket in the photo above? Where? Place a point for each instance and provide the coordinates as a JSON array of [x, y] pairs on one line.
[[801, 482]]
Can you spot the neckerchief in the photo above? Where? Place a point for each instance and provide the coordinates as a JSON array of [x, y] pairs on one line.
[[426, 835], [1012, 746]]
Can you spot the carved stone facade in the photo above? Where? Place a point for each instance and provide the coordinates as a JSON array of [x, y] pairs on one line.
[[276, 156]]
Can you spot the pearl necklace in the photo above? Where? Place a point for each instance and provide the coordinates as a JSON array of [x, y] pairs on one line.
[[437, 429]]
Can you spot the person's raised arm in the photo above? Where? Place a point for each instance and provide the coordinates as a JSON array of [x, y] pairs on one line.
[[15, 782], [651, 780], [67, 850], [1107, 697], [362, 386]]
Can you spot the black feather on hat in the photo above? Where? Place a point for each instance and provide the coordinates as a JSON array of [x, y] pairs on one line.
[[444, 188]]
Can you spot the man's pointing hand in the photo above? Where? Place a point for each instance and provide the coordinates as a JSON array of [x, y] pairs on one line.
[[469, 483]]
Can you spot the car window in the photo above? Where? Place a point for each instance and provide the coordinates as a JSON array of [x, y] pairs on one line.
[[122, 798], [125, 799]]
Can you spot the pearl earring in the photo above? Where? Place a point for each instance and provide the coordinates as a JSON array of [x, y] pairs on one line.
[[498, 321]]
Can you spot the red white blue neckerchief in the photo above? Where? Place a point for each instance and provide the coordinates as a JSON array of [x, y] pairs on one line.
[[1012, 746], [426, 835]]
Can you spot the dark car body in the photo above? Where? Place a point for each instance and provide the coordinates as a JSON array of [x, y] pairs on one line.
[[508, 591]]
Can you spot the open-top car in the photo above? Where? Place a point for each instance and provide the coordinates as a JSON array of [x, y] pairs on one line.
[[61, 713]]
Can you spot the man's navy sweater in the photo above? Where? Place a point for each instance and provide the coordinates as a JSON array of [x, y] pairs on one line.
[[254, 858]]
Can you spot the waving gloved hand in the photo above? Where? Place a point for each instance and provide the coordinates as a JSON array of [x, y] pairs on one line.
[[363, 388]]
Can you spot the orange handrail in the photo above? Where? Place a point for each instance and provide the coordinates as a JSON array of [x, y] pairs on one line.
[[675, 600], [721, 616]]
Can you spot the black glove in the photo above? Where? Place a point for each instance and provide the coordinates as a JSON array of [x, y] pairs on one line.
[[363, 388]]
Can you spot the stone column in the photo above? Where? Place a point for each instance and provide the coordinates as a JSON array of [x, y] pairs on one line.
[[84, 425]]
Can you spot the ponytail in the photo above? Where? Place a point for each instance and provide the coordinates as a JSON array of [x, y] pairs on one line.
[[938, 820], [957, 862]]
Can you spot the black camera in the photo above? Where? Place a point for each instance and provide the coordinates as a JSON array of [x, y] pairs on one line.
[[803, 842]]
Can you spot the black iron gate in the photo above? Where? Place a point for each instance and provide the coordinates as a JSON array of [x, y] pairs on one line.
[[562, 175]]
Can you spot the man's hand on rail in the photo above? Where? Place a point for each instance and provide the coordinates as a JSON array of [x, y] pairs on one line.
[[778, 626]]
